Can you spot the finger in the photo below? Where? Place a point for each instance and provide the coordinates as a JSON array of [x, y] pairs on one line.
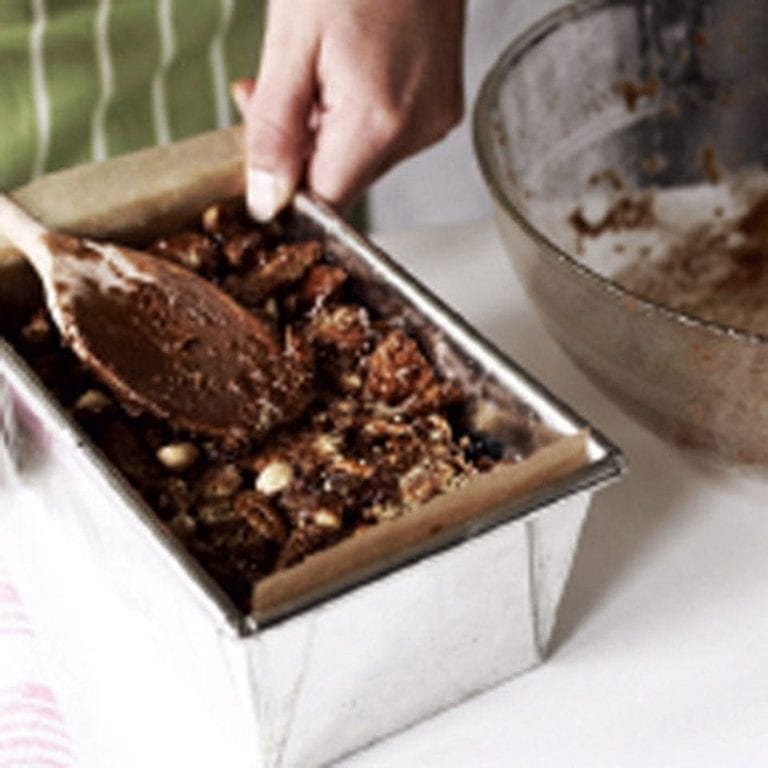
[[351, 151], [241, 92], [277, 124]]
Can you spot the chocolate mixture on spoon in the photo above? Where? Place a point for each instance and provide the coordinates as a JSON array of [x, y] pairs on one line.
[[166, 340]]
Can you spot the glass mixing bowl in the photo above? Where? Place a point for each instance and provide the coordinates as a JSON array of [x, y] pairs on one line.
[[653, 95]]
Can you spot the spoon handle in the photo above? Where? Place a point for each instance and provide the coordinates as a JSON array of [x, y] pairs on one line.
[[27, 234]]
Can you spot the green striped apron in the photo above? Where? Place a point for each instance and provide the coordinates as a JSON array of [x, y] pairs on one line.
[[83, 80]]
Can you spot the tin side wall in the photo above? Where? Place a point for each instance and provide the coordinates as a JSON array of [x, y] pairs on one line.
[[395, 651]]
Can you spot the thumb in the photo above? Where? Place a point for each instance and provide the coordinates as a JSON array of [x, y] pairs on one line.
[[277, 134]]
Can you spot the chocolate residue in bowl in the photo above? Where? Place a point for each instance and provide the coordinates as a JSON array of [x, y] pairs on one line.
[[711, 166], [716, 271], [634, 90], [626, 212]]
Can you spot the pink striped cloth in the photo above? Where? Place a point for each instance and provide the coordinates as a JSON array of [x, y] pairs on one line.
[[84, 682], [33, 730]]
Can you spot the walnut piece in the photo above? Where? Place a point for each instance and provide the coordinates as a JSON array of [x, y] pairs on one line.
[[275, 477], [397, 370], [192, 250]]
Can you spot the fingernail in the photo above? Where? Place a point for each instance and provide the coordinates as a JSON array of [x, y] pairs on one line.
[[266, 194], [240, 92]]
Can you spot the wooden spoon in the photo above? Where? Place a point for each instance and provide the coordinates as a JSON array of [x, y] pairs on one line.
[[162, 338]]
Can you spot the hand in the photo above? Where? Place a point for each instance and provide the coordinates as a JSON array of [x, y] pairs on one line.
[[346, 89]]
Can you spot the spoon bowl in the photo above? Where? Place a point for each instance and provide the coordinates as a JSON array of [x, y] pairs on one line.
[[162, 338]]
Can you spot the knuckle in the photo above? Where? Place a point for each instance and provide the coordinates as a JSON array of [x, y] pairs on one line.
[[273, 124], [384, 124], [266, 134]]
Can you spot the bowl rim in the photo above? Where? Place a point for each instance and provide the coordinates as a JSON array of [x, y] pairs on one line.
[[482, 138]]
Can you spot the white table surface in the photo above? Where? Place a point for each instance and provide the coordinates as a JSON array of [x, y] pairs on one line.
[[661, 652]]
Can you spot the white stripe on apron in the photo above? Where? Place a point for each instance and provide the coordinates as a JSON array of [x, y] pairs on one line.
[[219, 66], [159, 91], [99, 148], [39, 87]]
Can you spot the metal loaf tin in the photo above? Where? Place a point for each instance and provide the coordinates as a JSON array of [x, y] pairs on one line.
[[478, 597]]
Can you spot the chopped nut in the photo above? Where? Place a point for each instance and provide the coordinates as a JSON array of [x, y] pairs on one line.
[[383, 428], [192, 250], [326, 518], [225, 219], [93, 401], [350, 466], [275, 477], [289, 263], [346, 327], [439, 429], [260, 516], [426, 480], [275, 270], [327, 445], [397, 369], [221, 482], [271, 309], [380, 512], [350, 382], [322, 283], [178, 457], [241, 248]]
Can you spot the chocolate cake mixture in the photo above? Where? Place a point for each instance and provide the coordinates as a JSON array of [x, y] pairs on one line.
[[380, 432]]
